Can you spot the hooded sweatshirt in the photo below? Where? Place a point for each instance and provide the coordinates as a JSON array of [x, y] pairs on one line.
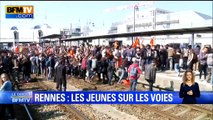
[[138, 71]]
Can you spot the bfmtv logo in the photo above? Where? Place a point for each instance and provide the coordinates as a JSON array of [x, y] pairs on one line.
[[18, 12]]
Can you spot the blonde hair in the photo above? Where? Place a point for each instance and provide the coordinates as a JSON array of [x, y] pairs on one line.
[[185, 79]]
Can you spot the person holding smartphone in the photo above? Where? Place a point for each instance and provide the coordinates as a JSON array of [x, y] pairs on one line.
[[189, 89]]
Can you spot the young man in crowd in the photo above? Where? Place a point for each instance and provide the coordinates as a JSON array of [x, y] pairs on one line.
[[150, 74], [61, 75], [134, 73]]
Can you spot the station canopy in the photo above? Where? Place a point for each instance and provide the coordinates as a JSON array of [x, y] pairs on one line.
[[52, 36], [178, 31]]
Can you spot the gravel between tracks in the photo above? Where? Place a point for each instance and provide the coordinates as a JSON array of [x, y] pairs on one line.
[[208, 107], [48, 112]]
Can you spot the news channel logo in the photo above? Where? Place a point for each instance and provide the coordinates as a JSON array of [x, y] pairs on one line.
[[19, 12], [21, 97]]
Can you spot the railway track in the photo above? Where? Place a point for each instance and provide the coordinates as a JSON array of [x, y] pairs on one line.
[[28, 114], [202, 112], [70, 108], [172, 112]]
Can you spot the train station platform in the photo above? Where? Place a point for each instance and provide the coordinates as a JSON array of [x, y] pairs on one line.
[[170, 80]]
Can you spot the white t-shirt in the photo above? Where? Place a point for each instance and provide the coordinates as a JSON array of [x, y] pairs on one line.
[[103, 52]]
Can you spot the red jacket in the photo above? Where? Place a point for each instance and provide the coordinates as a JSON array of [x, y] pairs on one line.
[[130, 68]]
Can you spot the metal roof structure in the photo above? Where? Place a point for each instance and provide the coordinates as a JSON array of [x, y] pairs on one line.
[[179, 31], [52, 36]]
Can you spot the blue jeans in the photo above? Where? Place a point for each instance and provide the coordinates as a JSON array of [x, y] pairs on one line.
[[143, 62], [133, 84], [170, 62], [177, 68], [50, 72], [91, 73], [33, 69], [148, 61], [42, 68], [122, 74], [110, 75]]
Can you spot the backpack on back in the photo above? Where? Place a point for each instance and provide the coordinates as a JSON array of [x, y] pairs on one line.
[[134, 72]]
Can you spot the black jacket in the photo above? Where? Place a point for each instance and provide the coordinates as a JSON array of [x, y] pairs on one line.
[[150, 73], [60, 73]]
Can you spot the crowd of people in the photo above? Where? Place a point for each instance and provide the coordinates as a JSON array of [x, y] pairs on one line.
[[111, 65], [107, 62]]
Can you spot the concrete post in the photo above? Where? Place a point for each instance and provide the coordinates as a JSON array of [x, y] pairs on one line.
[[191, 40]]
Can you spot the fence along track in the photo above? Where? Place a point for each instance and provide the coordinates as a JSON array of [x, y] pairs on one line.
[[71, 108]]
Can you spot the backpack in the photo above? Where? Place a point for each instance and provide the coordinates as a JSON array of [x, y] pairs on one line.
[[134, 72]]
